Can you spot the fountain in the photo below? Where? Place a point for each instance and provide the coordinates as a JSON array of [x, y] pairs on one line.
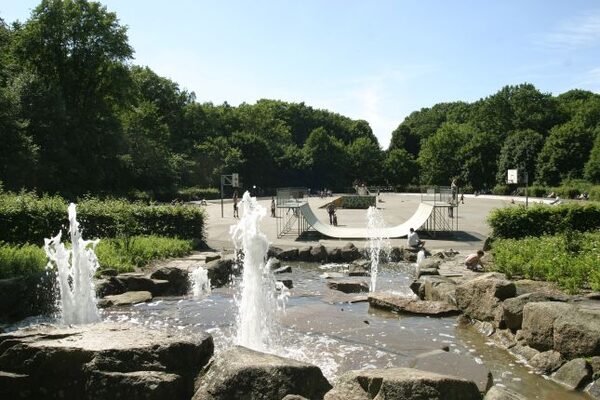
[[377, 242], [256, 301], [199, 282], [75, 269]]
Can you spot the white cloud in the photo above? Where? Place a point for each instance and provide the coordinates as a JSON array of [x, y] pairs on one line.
[[575, 32]]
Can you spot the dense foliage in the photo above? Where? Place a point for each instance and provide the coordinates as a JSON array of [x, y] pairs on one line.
[[122, 255], [27, 218], [570, 259], [519, 222], [77, 117]]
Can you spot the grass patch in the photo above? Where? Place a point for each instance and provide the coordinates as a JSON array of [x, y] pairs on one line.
[[571, 259], [125, 255], [21, 260]]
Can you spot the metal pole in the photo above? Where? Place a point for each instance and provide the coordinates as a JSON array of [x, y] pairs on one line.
[[221, 196]]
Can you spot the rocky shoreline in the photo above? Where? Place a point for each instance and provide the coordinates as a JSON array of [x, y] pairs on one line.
[[555, 334]]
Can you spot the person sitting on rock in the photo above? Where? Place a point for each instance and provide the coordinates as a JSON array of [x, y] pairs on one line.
[[473, 261], [413, 240]]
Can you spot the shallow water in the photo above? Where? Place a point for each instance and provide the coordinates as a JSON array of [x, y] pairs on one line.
[[320, 328]]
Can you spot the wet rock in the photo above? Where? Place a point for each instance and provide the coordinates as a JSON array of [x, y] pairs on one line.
[[108, 272], [502, 393], [431, 262], [538, 323], [243, 373], [486, 328], [513, 308], [304, 253], [288, 255], [212, 257], [395, 303], [136, 282], [350, 253], [274, 251], [318, 253], [148, 385], [401, 383], [595, 365], [287, 283], [294, 397], [593, 389], [593, 296], [110, 286], [26, 296], [334, 275], [504, 338], [125, 299], [60, 362], [360, 268], [439, 288], [524, 351], [418, 289], [219, 271], [348, 286], [547, 361], [446, 363], [482, 297], [274, 263], [14, 386], [574, 374], [179, 283], [577, 333], [283, 270], [396, 254], [428, 271], [334, 255]]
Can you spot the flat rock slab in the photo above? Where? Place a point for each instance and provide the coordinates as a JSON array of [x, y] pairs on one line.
[[348, 286], [502, 393], [241, 373], [400, 304], [574, 374], [64, 363], [125, 299], [401, 383]]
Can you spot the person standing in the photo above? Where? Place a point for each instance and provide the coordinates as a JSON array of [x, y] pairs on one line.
[[273, 207], [235, 205], [331, 212]]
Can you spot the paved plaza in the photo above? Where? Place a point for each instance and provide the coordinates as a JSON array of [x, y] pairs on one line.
[[396, 208]]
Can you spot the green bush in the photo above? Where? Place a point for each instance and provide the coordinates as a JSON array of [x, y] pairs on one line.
[[27, 218], [357, 202], [538, 220], [198, 193], [125, 255], [21, 260], [501, 190], [570, 259]]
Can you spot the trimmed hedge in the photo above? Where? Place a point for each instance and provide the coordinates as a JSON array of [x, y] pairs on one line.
[[27, 218], [568, 190], [198, 193], [538, 220], [357, 202], [570, 259]]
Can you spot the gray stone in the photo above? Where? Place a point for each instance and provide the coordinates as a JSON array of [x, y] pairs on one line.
[[334, 254], [212, 257], [574, 374], [348, 286], [428, 271], [538, 323], [109, 286], [287, 283], [547, 361], [482, 297], [283, 270], [502, 393], [274, 251], [524, 351], [418, 289], [350, 253], [125, 299], [359, 268], [593, 389], [15, 386], [108, 272], [150, 385], [60, 361], [179, 283], [394, 303], [401, 383], [27, 296], [595, 365], [304, 253], [318, 253], [219, 271], [504, 338], [288, 255], [439, 288], [513, 308], [431, 262], [243, 373], [294, 397], [577, 333], [446, 363], [396, 254], [136, 282], [274, 263]]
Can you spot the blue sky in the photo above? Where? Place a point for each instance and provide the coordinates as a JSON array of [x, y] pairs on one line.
[[376, 60]]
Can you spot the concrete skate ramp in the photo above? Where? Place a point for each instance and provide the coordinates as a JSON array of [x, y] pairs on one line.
[[417, 220]]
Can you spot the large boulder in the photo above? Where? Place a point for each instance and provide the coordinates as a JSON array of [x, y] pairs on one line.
[[401, 304], [318, 253], [304, 253], [26, 296], [481, 298], [109, 286], [513, 308], [274, 251], [574, 374], [350, 253], [439, 288], [83, 362], [538, 323], [593, 389], [288, 255], [401, 383], [502, 393], [348, 285], [334, 254], [396, 254], [241, 373], [219, 271], [136, 282], [178, 278], [547, 361]]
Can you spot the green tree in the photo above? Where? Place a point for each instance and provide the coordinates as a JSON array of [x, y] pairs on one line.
[[520, 150], [592, 167], [479, 157], [439, 159], [327, 160], [400, 167], [365, 159]]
